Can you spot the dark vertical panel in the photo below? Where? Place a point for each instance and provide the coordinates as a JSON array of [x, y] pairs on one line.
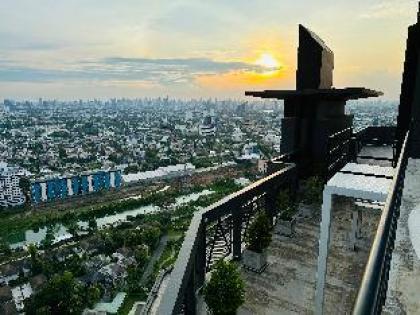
[[407, 106]]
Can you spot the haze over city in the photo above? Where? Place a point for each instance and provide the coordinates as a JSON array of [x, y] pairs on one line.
[[101, 49]]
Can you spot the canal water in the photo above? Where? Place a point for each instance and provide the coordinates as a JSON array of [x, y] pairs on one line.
[[27, 237]]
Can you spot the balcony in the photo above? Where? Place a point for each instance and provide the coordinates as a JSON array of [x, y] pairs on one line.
[[219, 232], [289, 282]]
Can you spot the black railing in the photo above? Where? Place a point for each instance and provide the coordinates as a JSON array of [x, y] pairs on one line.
[[377, 136], [340, 150], [372, 293], [345, 146], [218, 232]]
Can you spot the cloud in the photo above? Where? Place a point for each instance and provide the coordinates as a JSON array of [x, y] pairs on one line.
[[13, 41], [158, 71], [389, 9]]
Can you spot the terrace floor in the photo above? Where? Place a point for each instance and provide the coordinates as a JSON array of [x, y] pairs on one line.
[[404, 279], [376, 151], [287, 286]]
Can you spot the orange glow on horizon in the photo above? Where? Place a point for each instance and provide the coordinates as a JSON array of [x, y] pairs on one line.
[[244, 79]]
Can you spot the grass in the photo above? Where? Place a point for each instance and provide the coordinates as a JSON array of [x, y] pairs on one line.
[[174, 235], [129, 301]]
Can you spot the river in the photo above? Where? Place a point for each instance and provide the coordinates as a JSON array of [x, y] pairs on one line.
[[27, 237]]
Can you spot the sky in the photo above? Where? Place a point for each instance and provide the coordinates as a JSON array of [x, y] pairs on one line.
[[71, 49]]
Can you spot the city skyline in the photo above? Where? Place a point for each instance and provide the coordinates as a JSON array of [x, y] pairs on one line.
[[101, 49]]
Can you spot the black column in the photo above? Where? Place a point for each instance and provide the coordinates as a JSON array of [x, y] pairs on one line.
[[409, 109]]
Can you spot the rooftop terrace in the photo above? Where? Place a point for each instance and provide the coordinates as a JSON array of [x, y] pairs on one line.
[[364, 241], [288, 284]]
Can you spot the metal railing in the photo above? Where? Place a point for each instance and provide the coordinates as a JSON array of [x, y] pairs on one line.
[[372, 292], [340, 150], [219, 232], [345, 146], [377, 136]]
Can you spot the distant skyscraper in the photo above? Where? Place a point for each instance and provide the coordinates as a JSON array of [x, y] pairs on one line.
[[8, 105]]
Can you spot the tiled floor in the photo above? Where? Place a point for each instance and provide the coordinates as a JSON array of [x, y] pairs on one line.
[[288, 284]]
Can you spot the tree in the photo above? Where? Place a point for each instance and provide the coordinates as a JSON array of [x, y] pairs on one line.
[[151, 236], [36, 264], [134, 168], [141, 254], [283, 200], [134, 275], [259, 233], [62, 154], [74, 264], [4, 247], [224, 292], [25, 185], [286, 206], [92, 225], [93, 294], [49, 237], [313, 190], [72, 227], [61, 295]]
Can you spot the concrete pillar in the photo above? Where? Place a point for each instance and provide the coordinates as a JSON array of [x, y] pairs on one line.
[[356, 227], [324, 242], [352, 236]]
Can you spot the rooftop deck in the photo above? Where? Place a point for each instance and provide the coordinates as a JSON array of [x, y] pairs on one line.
[[378, 152], [287, 286], [404, 283]]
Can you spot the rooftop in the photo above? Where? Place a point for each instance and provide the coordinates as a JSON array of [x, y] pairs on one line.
[[329, 94]]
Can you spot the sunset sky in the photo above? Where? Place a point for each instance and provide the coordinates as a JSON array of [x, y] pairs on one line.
[[191, 48]]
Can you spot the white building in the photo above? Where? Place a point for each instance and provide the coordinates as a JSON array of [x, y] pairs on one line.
[[207, 127], [10, 192], [165, 172], [272, 138], [250, 151], [262, 166]]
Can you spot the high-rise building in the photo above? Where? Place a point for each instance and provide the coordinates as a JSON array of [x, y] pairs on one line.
[[10, 192]]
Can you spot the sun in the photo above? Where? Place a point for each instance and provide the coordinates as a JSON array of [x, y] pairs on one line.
[[268, 61]]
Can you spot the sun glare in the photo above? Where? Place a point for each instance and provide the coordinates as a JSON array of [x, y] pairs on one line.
[[268, 61]]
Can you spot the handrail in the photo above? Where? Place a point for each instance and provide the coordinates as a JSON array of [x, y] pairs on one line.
[[372, 292], [151, 297], [384, 133], [188, 265], [338, 133], [285, 158], [338, 151]]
